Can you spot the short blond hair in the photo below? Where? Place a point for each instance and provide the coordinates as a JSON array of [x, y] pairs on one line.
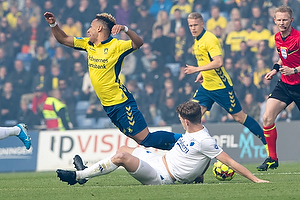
[[284, 9], [195, 15]]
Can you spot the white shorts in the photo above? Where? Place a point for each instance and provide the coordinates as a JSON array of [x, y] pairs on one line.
[[151, 170]]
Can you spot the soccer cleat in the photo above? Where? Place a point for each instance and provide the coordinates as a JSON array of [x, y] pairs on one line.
[[67, 176], [23, 135], [199, 179], [77, 161], [269, 163]]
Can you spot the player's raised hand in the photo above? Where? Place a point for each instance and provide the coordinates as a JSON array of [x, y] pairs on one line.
[[50, 18], [190, 69], [117, 28]]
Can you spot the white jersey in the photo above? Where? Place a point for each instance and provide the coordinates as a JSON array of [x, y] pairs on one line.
[[191, 154]]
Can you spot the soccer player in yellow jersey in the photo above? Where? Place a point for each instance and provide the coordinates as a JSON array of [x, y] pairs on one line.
[[105, 60], [216, 85]]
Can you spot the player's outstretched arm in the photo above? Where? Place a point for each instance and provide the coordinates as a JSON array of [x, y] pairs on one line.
[[59, 34], [240, 169], [137, 42]]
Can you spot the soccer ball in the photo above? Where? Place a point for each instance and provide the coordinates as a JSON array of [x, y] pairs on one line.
[[222, 172]]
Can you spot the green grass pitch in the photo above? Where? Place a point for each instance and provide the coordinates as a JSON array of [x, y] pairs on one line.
[[285, 184]]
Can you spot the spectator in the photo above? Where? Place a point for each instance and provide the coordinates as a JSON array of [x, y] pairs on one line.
[[144, 24], [76, 82], [203, 7], [177, 22], [41, 80], [147, 57], [263, 52], [9, 104], [84, 12], [77, 56], [13, 15], [183, 6], [62, 58], [260, 70], [135, 13], [234, 39], [129, 63], [3, 77], [243, 54], [161, 45], [55, 112], [251, 107], [181, 44], [186, 94], [258, 34], [169, 91], [168, 112], [87, 87], [38, 100], [5, 43], [105, 7], [41, 58], [5, 60], [4, 27], [155, 75], [50, 46], [55, 76], [229, 67], [159, 5], [256, 16], [25, 115], [67, 97], [148, 104], [246, 86], [72, 28], [235, 15], [69, 9], [21, 79], [216, 20], [31, 10], [162, 21], [95, 110], [123, 13]]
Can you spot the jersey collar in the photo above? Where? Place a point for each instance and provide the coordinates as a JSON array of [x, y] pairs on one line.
[[107, 40], [201, 34]]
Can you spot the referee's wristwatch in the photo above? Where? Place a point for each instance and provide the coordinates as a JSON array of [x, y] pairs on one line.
[[295, 70]]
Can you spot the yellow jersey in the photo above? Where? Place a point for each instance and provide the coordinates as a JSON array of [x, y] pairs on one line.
[[104, 64], [206, 47]]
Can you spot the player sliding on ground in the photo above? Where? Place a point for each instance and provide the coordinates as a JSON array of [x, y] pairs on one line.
[[189, 158]]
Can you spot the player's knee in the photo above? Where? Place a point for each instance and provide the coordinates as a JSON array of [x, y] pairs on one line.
[[120, 158], [267, 120]]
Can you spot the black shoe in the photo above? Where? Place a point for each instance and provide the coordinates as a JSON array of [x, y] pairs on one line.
[[78, 164], [199, 179], [269, 163], [67, 176]]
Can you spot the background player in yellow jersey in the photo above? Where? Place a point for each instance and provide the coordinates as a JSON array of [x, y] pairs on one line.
[[105, 60], [216, 85]]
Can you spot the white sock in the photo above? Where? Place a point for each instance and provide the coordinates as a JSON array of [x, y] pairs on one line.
[[9, 131], [102, 167]]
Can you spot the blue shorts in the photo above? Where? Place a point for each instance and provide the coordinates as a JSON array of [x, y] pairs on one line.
[[126, 116], [226, 98]]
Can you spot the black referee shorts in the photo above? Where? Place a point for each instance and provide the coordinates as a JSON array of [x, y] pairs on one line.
[[286, 93]]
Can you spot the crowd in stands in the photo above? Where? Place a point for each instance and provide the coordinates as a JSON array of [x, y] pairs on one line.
[[33, 63]]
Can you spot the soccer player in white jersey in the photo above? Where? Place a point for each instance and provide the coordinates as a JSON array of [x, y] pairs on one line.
[[188, 159]]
